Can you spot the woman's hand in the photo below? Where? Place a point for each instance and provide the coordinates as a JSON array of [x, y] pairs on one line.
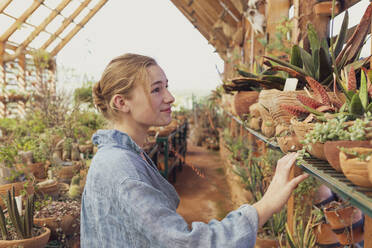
[[280, 189]]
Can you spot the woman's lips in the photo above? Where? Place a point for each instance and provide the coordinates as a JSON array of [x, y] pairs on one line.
[[168, 110]]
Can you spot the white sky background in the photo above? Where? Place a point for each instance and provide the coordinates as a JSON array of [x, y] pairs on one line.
[[154, 28]]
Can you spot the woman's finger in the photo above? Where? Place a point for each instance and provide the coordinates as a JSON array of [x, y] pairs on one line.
[[295, 181]]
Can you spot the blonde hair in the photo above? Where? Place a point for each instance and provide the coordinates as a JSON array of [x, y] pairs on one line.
[[120, 77]]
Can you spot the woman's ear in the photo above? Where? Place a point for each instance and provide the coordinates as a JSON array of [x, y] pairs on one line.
[[120, 103]]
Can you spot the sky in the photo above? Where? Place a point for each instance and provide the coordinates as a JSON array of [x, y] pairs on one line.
[[154, 28]]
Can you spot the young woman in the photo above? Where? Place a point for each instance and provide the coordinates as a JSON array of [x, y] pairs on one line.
[[126, 202]]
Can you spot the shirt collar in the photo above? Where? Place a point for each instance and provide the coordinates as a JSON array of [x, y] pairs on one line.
[[115, 137]]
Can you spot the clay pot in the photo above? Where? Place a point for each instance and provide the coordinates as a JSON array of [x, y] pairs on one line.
[[301, 129], [49, 188], [53, 223], [266, 243], [323, 195], [254, 110], [243, 100], [325, 236], [34, 242], [255, 123], [18, 187], [65, 173], [346, 222], [356, 170], [268, 125], [289, 143], [39, 170], [332, 153]]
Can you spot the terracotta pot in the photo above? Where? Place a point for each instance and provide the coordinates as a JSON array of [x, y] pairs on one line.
[[325, 236], [65, 173], [34, 242], [346, 222], [18, 187], [268, 124], [289, 143], [272, 99], [317, 150], [323, 195], [255, 123], [51, 189], [332, 153], [53, 223], [254, 110], [356, 170], [39, 170], [266, 243], [243, 100]]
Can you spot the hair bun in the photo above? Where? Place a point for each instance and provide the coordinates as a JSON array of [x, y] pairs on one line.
[[98, 99]]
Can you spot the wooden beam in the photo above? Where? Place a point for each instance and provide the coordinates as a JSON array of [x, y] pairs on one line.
[[4, 4], [47, 20], [232, 8], [65, 23], [77, 28], [20, 20]]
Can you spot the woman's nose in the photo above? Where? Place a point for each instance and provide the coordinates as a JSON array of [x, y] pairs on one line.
[[168, 98]]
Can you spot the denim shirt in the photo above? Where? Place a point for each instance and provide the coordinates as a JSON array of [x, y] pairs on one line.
[[127, 203]]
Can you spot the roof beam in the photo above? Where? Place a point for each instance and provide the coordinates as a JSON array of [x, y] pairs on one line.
[[231, 7], [65, 23], [20, 20], [77, 28], [4, 4], [47, 20]]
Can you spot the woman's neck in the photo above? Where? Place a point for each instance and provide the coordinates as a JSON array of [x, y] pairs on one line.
[[137, 132]]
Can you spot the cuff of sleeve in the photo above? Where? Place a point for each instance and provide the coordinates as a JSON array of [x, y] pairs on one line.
[[251, 213]]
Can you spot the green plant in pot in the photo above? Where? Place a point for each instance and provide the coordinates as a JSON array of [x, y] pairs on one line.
[[17, 227]]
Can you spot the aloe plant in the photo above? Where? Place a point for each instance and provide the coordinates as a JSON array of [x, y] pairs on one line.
[[23, 224], [318, 63]]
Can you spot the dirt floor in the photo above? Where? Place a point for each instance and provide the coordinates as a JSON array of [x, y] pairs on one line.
[[202, 186]]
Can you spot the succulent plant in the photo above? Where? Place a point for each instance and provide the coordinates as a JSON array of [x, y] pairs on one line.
[[23, 223], [319, 64]]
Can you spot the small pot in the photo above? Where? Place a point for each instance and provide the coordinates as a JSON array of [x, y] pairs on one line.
[[289, 143], [18, 187], [325, 237], [356, 170], [34, 242], [53, 223], [52, 189], [255, 123], [243, 100], [317, 150], [332, 153], [266, 243], [346, 222]]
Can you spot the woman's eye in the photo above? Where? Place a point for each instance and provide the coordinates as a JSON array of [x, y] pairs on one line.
[[156, 90]]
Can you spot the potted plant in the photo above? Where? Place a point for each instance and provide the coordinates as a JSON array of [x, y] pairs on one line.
[[325, 237], [355, 163], [17, 227], [346, 221]]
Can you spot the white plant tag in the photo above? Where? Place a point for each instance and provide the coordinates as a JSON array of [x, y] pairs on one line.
[[19, 204], [290, 84]]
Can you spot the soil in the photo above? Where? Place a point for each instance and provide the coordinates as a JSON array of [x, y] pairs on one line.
[[202, 186]]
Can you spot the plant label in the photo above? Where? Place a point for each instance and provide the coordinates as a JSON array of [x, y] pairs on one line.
[[290, 84]]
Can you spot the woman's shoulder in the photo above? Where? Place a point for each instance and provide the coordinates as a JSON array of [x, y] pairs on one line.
[[116, 163]]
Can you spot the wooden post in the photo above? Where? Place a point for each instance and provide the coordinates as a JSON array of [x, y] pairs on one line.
[[2, 80], [22, 83], [368, 231]]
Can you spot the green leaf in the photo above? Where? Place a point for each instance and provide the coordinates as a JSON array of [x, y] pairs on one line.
[[325, 47], [369, 107], [308, 62], [313, 38], [311, 110], [356, 106], [363, 91], [342, 109], [342, 35], [325, 68], [316, 62], [296, 56], [246, 74], [283, 63]]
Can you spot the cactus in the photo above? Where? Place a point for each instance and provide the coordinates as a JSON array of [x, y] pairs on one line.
[[309, 101], [22, 223], [294, 110], [319, 90]]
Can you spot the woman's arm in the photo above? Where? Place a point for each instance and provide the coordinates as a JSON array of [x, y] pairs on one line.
[[280, 189]]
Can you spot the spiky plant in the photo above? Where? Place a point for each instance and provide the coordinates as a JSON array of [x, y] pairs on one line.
[[22, 223]]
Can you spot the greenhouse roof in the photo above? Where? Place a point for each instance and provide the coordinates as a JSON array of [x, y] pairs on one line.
[[45, 24]]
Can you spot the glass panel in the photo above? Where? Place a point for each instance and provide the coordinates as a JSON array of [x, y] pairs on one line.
[[21, 34], [70, 8], [17, 7], [55, 24], [6, 22], [67, 30], [53, 44], [82, 14], [52, 3], [39, 40], [39, 15], [93, 3]]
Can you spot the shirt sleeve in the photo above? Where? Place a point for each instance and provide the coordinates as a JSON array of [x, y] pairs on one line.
[[164, 227]]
